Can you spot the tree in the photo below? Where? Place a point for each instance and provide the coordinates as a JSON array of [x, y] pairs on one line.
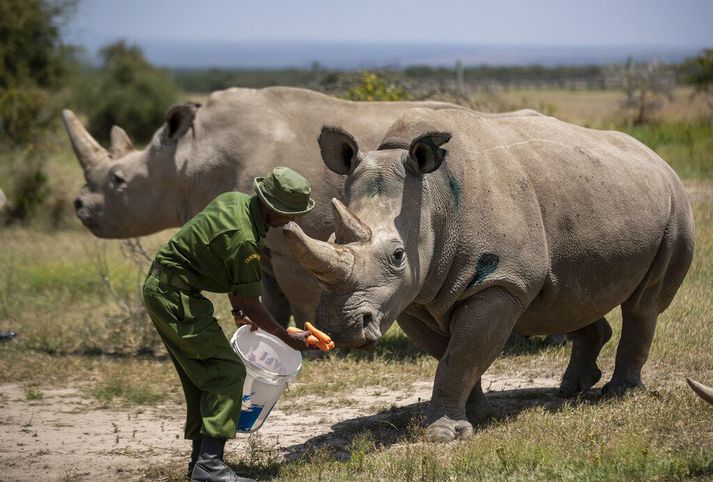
[[126, 91], [698, 72], [33, 64], [645, 85]]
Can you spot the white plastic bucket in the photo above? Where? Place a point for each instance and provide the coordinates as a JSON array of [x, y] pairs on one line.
[[269, 365]]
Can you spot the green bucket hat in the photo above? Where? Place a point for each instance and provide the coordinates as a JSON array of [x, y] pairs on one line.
[[285, 192]]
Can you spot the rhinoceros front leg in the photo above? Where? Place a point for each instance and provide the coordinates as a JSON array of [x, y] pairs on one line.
[[480, 326], [435, 344]]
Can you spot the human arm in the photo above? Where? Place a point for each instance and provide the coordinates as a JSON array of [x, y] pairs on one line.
[[255, 313]]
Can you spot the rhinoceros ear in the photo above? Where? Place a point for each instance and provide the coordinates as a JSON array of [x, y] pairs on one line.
[[179, 118], [425, 153], [340, 151]]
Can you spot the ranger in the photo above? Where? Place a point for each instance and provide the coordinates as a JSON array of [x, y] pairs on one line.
[[219, 250]]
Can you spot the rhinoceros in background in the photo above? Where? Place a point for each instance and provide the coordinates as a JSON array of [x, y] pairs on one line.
[[521, 223], [201, 152]]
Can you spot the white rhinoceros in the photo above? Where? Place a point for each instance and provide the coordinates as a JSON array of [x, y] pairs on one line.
[[521, 223], [203, 151]]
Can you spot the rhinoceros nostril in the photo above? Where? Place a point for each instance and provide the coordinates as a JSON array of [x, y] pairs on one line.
[[366, 319], [78, 204]]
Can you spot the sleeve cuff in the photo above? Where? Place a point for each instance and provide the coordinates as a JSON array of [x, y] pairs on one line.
[[248, 290]]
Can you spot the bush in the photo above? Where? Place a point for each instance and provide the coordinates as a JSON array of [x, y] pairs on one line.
[[372, 87], [29, 188], [20, 108], [127, 91]]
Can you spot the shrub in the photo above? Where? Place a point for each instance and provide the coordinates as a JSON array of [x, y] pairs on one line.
[[30, 192], [127, 91], [372, 87]]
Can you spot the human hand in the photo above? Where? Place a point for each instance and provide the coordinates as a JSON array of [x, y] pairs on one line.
[[241, 319], [297, 341]]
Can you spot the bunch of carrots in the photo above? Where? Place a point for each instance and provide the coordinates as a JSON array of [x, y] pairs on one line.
[[317, 338]]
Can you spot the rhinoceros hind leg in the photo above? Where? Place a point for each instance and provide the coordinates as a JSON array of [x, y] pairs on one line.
[[582, 372], [637, 333], [275, 300]]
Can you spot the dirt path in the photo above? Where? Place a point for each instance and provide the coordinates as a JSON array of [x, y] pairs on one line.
[[64, 436]]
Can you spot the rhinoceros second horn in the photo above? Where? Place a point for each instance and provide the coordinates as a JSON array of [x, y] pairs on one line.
[[121, 144], [347, 226], [88, 150], [330, 263]]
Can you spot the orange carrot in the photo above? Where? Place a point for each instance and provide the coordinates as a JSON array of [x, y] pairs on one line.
[[321, 336], [292, 330], [312, 340]]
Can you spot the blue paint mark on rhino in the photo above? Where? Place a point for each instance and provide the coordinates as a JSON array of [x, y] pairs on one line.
[[456, 189], [375, 186], [486, 265]]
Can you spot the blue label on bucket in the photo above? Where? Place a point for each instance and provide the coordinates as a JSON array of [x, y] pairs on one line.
[[248, 417]]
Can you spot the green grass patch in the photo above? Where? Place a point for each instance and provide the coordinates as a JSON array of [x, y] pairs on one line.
[[32, 393], [687, 145]]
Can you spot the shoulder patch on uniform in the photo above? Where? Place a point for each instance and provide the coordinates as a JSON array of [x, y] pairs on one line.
[[252, 257]]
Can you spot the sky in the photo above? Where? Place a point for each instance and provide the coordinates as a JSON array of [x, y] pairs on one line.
[[563, 23]]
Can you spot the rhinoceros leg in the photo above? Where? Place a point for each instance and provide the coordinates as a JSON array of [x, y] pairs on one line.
[[480, 326], [582, 372], [435, 344], [637, 333], [651, 297]]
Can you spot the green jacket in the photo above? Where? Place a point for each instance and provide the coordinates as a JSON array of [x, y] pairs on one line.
[[218, 250]]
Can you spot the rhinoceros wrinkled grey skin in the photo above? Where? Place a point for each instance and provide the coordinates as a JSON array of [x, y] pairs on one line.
[[466, 228], [202, 151]]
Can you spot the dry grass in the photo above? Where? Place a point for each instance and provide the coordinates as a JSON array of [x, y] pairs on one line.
[[594, 108]]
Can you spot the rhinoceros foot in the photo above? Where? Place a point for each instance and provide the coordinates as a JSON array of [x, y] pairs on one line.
[[579, 382], [620, 387], [478, 409], [446, 429]]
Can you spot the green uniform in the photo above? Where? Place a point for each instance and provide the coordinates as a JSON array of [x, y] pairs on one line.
[[219, 251]]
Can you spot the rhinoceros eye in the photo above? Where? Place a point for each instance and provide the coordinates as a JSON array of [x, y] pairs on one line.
[[118, 179], [397, 257]]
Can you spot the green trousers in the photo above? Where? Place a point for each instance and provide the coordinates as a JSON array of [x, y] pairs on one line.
[[211, 373]]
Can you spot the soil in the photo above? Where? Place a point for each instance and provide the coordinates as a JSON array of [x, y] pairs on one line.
[[66, 435]]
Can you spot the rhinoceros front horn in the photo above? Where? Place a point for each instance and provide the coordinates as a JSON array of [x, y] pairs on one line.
[[347, 227], [87, 149], [706, 393], [330, 263]]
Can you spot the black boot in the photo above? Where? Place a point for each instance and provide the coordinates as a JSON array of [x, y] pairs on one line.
[[210, 466], [194, 456]]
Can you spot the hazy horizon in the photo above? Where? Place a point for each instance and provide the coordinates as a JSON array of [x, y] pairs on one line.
[[337, 34]]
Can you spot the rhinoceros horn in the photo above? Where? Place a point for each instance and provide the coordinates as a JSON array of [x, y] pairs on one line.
[[87, 149], [706, 393], [121, 144], [347, 227], [330, 263]]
